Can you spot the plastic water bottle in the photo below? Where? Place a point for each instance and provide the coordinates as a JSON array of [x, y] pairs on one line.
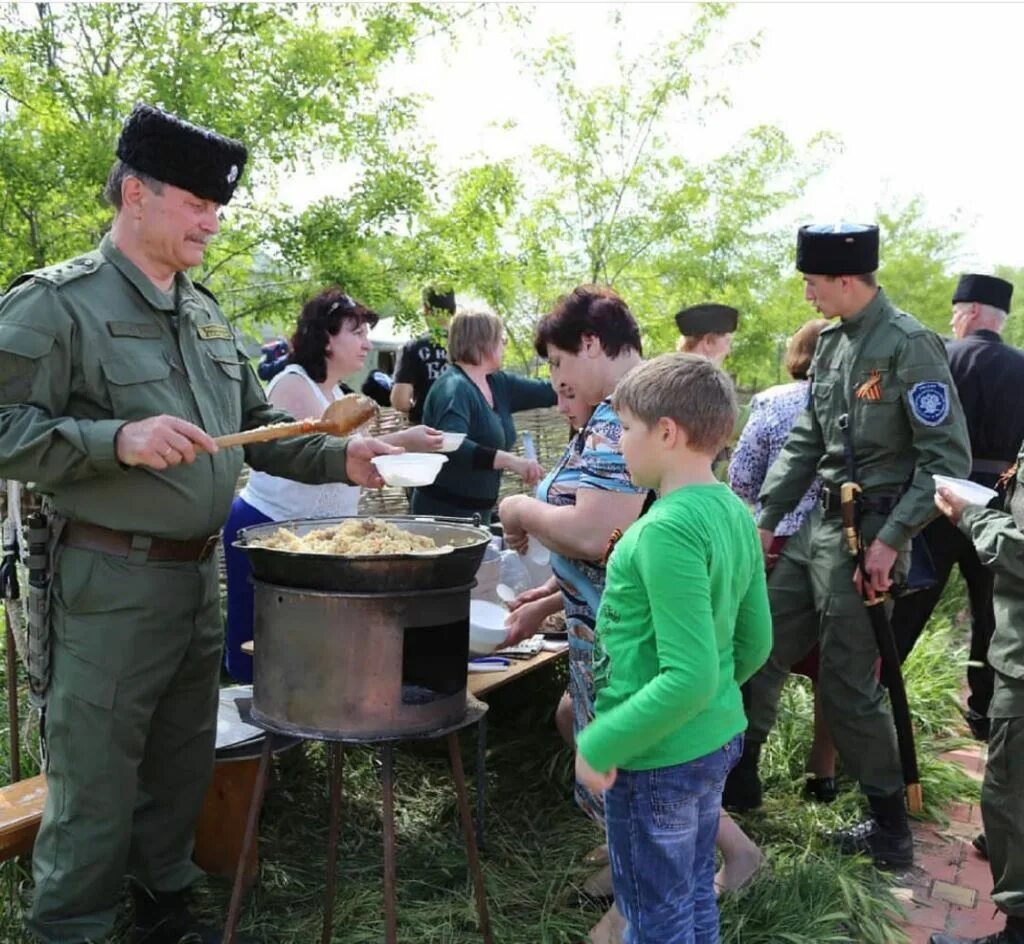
[[529, 449]]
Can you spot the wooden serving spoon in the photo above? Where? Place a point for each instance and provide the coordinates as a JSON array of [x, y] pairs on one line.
[[341, 417]]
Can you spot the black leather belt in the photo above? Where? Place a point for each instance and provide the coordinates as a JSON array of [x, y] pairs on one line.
[[832, 503], [92, 537]]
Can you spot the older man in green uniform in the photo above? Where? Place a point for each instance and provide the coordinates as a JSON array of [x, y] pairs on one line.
[[116, 371], [998, 537], [889, 377]]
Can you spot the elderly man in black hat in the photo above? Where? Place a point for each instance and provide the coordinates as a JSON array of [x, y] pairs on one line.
[[989, 377], [707, 329], [116, 372], [882, 401]]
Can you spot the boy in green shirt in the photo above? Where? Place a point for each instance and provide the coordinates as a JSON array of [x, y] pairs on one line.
[[683, 622]]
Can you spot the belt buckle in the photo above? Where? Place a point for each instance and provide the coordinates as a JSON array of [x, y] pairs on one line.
[[209, 547]]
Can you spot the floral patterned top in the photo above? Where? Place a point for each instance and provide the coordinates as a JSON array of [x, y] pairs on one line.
[[772, 415]]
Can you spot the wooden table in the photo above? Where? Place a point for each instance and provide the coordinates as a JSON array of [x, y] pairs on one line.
[[482, 684]]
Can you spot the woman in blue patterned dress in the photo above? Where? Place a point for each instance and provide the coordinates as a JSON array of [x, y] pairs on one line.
[[590, 340]]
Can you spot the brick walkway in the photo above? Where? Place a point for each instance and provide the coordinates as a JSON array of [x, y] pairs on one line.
[[950, 888]]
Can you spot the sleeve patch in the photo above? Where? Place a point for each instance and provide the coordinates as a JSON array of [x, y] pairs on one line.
[[929, 402]]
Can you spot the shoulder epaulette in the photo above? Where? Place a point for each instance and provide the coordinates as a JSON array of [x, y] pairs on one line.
[[64, 272]]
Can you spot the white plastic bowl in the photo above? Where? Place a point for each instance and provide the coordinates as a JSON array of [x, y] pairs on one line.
[[409, 469], [486, 627], [452, 441], [970, 492]]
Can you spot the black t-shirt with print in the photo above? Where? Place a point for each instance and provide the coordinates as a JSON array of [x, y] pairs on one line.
[[421, 362]]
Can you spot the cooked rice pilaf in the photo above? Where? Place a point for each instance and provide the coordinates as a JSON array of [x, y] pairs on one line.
[[358, 537]]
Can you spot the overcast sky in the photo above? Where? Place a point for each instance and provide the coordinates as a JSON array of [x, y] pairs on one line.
[[923, 96]]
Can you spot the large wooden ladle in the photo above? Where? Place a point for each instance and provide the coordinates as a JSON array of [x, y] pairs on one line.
[[341, 417]]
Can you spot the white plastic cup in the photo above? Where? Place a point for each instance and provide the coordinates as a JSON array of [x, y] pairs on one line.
[[537, 553]]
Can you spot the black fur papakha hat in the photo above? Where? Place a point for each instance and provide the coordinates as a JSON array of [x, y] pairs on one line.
[[840, 249], [184, 155], [984, 289], [709, 318]]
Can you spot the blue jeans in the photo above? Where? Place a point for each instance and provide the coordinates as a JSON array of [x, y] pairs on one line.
[[662, 825], [239, 591]]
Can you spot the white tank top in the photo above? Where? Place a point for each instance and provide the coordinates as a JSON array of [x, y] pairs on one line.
[[280, 499]]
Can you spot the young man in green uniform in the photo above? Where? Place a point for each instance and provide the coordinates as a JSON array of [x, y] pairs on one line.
[[888, 376], [116, 371], [998, 537]]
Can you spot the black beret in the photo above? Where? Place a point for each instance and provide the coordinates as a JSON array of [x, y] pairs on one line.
[[708, 318], [984, 289], [840, 249], [184, 155], [437, 298]]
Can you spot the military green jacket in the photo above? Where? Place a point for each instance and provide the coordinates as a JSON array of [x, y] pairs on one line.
[[890, 375], [90, 344], [998, 537]]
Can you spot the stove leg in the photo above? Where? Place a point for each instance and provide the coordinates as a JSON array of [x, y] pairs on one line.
[[455, 753], [390, 913], [481, 779], [337, 754], [259, 788]]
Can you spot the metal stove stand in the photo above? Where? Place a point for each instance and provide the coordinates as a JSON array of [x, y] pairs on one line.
[[475, 711]]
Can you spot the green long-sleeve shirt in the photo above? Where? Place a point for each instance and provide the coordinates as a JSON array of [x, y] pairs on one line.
[[91, 344], [683, 622], [456, 405], [891, 376]]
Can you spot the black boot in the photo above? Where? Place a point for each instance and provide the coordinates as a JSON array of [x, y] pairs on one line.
[[820, 789], [1013, 933], [980, 844], [886, 837], [164, 918], [743, 785]]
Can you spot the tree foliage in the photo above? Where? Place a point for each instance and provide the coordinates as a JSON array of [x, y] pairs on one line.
[[619, 196], [296, 83], [621, 202]]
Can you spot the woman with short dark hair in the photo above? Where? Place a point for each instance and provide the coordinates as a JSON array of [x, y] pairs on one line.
[[476, 397], [590, 340]]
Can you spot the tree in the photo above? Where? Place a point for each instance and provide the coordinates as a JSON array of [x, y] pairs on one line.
[[621, 203], [296, 83], [919, 263], [1014, 330]]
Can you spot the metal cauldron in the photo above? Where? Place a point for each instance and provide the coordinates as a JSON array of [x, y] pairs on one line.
[[362, 647], [359, 665], [382, 573]]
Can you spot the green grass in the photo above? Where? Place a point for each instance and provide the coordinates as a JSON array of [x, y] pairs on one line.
[[536, 838]]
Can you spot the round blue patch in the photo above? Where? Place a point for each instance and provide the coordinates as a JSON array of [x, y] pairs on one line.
[[929, 402]]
